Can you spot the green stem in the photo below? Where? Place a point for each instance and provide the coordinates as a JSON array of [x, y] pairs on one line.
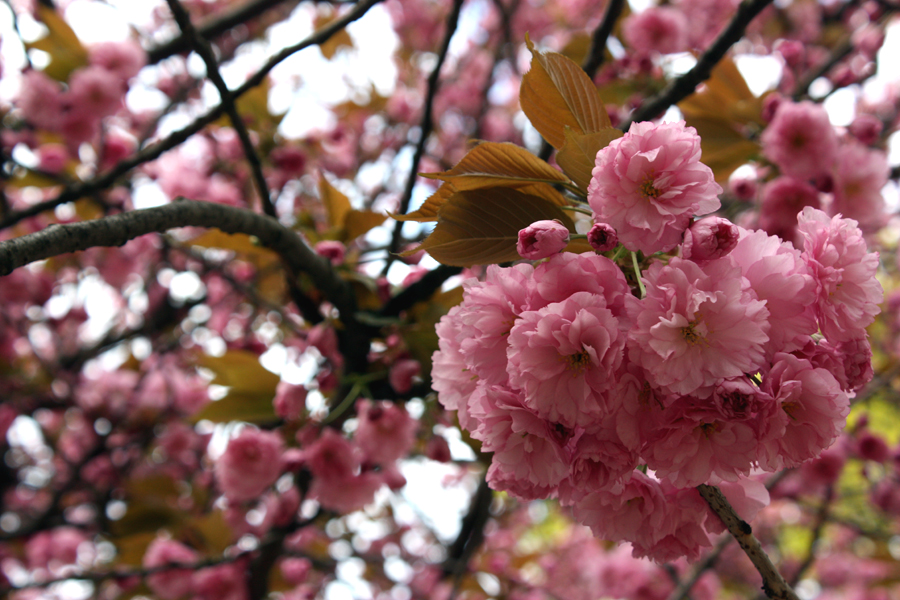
[[578, 209], [637, 271]]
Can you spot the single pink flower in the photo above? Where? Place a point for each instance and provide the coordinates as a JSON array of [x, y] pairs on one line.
[[696, 326], [542, 239], [658, 29], [848, 292], [649, 183], [530, 453], [565, 357], [779, 277], [859, 175], [385, 431], [800, 140], [250, 464], [814, 411]]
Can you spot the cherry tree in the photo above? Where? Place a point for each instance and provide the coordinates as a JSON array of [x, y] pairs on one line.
[[558, 302]]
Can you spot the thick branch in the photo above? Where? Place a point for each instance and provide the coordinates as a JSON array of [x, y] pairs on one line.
[[774, 584], [72, 193], [426, 126], [118, 229], [682, 87]]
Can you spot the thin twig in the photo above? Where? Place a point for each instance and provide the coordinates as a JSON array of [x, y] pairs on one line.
[[153, 151], [682, 87], [425, 128], [821, 519], [202, 47], [212, 28], [594, 58]]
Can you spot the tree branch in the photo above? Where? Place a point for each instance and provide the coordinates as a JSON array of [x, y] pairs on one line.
[[212, 28], [774, 584], [117, 229], [594, 58], [682, 87], [153, 151], [202, 47], [426, 127]]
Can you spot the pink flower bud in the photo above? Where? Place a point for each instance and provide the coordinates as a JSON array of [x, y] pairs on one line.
[[602, 237], [333, 251], [866, 128], [402, 374], [743, 188], [542, 239], [709, 238]]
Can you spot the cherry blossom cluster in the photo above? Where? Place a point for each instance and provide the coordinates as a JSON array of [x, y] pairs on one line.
[[738, 352]]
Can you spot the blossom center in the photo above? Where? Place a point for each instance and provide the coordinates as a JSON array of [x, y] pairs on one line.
[[690, 334], [648, 191], [577, 362]]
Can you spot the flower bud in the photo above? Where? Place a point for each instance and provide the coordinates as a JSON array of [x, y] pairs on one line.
[[542, 239], [602, 237], [709, 238]]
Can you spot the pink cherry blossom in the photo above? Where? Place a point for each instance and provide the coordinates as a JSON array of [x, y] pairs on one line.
[[859, 176], [800, 140], [221, 582], [531, 454], [696, 326], [782, 199], [169, 584], [649, 183], [450, 376], [565, 357], [385, 431], [542, 239], [563, 275], [638, 512], [290, 400], [250, 464], [848, 292], [814, 411], [658, 29], [780, 277], [600, 460], [124, 59]]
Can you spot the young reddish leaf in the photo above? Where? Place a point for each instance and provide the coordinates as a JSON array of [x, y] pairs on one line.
[[556, 94], [480, 227], [578, 154], [337, 205], [492, 164]]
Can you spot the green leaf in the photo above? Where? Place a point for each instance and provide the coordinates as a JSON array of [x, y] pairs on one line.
[[480, 227], [239, 406], [556, 93], [578, 154]]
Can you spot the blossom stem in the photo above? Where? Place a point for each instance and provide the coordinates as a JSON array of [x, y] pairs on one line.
[[637, 272], [578, 209]]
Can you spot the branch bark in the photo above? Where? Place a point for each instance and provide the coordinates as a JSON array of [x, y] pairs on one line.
[[774, 584], [118, 229], [682, 87]]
